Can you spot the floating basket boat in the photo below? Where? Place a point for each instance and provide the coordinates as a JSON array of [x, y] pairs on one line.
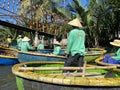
[[7, 48], [48, 75], [99, 61], [8, 56], [91, 55], [45, 51], [34, 56]]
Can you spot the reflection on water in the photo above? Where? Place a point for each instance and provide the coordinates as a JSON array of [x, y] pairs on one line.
[[7, 79]]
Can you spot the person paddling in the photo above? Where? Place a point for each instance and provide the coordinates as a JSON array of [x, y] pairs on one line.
[[25, 46], [114, 59], [75, 44]]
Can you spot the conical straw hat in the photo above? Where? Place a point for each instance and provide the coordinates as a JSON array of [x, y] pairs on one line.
[[75, 22], [19, 36], [25, 39], [56, 43], [116, 42]]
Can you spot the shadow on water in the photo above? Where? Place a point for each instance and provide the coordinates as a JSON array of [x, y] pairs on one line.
[[7, 79]]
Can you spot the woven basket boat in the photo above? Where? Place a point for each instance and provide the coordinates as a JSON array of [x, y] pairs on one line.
[[45, 51], [99, 61], [35, 79], [7, 48], [94, 53], [34, 56], [8, 56], [91, 55]]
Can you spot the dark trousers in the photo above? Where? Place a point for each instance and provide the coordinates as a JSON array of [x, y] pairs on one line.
[[76, 58]]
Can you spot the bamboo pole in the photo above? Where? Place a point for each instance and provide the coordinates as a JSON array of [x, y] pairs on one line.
[[66, 68], [84, 68], [79, 74]]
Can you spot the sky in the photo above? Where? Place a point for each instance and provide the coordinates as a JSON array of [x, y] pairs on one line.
[[8, 4], [83, 2], [7, 7]]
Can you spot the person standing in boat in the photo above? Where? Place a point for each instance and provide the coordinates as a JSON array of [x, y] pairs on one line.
[[57, 48], [75, 45], [25, 46], [19, 42], [40, 47], [113, 59]]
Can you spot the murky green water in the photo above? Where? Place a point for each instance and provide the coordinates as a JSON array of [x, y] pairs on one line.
[[7, 79]]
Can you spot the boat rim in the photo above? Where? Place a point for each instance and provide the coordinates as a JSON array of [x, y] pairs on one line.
[[99, 61], [64, 80]]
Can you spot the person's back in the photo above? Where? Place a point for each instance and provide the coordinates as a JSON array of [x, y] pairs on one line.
[[19, 42], [57, 50], [40, 46], [76, 42], [76, 45], [25, 46]]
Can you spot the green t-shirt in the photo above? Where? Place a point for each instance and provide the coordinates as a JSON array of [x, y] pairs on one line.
[[40, 46], [117, 55], [26, 46], [19, 42], [57, 50], [76, 42]]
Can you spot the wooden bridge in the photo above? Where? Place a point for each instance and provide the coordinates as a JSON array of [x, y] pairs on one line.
[[20, 14]]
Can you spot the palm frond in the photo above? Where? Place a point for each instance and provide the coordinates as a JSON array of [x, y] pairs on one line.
[[65, 12]]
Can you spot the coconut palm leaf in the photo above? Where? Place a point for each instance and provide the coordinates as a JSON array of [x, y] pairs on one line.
[[65, 12]]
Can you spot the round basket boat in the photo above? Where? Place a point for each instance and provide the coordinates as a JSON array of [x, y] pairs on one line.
[[90, 56], [8, 60], [99, 61], [44, 80], [6, 48], [8, 56], [94, 53]]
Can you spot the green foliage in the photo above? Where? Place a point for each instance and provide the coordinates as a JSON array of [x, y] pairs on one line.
[[5, 32], [101, 18]]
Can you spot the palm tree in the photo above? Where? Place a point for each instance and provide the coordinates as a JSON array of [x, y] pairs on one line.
[[100, 17], [104, 19]]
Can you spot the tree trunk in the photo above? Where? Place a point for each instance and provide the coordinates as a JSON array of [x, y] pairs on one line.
[[96, 42]]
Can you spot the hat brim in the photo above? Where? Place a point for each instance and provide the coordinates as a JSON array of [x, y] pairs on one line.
[[75, 22], [56, 43], [112, 43], [26, 40]]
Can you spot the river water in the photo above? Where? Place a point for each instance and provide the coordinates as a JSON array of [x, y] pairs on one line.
[[7, 79]]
